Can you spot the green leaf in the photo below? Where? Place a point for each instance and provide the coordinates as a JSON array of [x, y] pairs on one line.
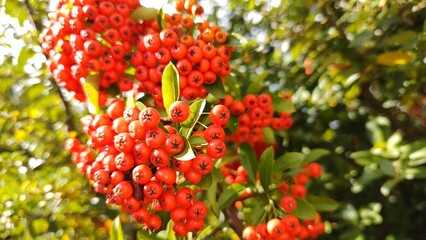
[[229, 195], [288, 160], [233, 87], [315, 155], [212, 191], [265, 167], [197, 141], [187, 153], [144, 13], [282, 105], [236, 40], [216, 89], [206, 181], [140, 105], [130, 102], [144, 235], [17, 10], [39, 225], [116, 232], [196, 109], [161, 18], [248, 160], [91, 89], [256, 85], [268, 135], [387, 167], [170, 85], [304, 210], [258, 211], [323, 203]]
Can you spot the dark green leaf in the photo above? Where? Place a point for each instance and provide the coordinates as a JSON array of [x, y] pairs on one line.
[[206, 181], [304, 210], [282, 105], [197, 141], [116, 232], [323, 203], [265, 167], [248, 160], [196, 110], [315, 155], [216, 89], [91, 89], [233, 86], [258, 211], [229, 195], [288, 160], [170, 85]]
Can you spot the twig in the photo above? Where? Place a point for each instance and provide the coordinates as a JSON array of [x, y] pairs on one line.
[[37, 26]]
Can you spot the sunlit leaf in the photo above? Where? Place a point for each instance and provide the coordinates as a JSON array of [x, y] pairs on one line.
[[116, 232], [170, 85], [394, 58], [91, 89], [144, 13], [196, 109]]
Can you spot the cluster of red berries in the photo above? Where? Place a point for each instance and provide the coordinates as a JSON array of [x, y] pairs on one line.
[[289, 226], [91, 37], [135, 162], [254, 114], [286, 228], [100, 38], [201, 57]]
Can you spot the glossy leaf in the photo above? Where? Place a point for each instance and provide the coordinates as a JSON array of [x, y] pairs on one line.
[[304, 210], [288, 160], [116, 232], [248, 160], [268, 135], [206, 181], [315, 155], [170, 85], [265, 167], [187, 153], [282, 105], [91, 90], [229, 195], [196, 109], [323, 203], [216, 89]]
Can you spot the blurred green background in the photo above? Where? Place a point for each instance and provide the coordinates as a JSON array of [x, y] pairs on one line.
[[356, 71]]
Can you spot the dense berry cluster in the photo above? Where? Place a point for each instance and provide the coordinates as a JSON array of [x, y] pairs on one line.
[[89, 37], [254, 114], [133, 157], [289, 226], [104, 39], [285, 228]]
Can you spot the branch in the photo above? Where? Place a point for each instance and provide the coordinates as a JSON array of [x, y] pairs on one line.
[[234, 222], [38, 26]]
